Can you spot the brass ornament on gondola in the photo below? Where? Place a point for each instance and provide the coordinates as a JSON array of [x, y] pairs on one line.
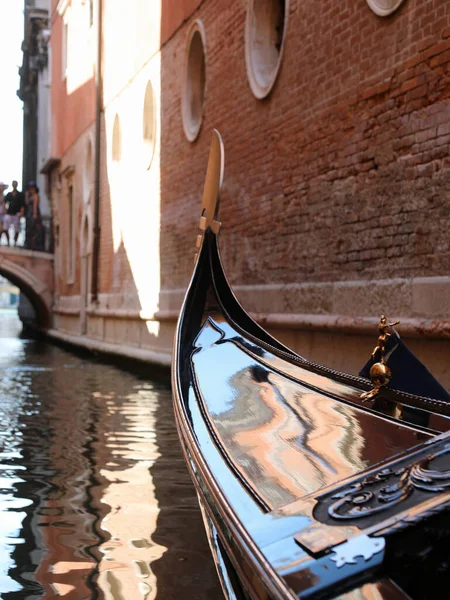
[[380, 374]]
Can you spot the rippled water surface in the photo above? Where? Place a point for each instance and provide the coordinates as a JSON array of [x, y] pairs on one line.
[[95, 499]]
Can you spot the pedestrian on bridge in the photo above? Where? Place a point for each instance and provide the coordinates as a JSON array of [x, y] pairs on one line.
[[3, 187], [14, 203], [34, 230]]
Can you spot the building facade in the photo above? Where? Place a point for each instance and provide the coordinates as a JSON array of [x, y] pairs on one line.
[[34, 91], [335, 208]]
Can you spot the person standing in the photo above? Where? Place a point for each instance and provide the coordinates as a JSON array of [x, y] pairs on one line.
[[34, 230], [3, 187], [15, 209]]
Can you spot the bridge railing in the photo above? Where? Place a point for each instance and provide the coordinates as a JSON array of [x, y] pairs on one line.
[[33, 235]]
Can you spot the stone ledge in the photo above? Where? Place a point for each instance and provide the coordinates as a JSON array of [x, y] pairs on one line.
[[66, 310], [422, 298], [111, 313], [354, 307], [413, 328], [143, 355]]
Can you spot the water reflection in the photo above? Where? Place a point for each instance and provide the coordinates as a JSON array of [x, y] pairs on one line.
[[95, 498]]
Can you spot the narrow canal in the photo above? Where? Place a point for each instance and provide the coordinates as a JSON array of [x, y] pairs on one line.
[[95, 499]]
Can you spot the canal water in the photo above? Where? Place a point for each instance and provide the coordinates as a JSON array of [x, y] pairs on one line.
[[95, 499]]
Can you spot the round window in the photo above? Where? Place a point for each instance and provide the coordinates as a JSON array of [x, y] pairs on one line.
[[149, 122], [195, 81], [264, 41], [383, 8]]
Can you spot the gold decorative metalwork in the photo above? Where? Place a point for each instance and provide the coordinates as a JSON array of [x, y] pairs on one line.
[[380, 373]]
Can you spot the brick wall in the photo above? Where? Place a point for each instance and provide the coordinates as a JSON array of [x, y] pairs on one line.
[[342, 173]]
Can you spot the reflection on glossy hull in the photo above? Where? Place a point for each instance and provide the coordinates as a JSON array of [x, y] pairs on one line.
[[285, 439]]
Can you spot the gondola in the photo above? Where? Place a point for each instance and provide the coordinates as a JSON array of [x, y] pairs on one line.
[[313, 484]]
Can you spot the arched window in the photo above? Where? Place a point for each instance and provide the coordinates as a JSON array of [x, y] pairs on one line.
[[116, 140], [264, 41], [195, 81], [149, 122]]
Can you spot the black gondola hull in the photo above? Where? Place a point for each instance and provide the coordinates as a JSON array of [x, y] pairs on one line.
[[302, 485]]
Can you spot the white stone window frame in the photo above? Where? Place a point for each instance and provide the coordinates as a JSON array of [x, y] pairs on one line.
[[86, 242], [88, 170], [69, 181], [384, 12], [191, 130], [261, 91]]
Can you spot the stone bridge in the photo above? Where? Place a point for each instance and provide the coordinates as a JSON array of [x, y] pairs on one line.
[[32, 273]]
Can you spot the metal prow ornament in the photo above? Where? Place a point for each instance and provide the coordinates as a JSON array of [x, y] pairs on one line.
[[380, 374], [213, 185]]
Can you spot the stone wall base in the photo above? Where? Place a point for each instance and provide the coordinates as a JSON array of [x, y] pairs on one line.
[[144, 355], [346, 352]]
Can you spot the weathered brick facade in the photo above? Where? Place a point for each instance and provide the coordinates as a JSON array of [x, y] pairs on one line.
[[343, 172], [336, 197]]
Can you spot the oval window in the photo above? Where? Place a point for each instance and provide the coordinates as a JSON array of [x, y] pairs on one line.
[[383, 8], [195, 82], [264, 41]]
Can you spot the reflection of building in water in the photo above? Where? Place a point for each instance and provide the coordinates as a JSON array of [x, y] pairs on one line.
[[125, 569], [108, 550]]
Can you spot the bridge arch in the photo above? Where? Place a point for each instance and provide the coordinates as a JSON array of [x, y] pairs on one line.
[[32, 273]]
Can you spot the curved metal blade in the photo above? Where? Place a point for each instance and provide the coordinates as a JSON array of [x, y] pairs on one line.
[[213, 182]]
